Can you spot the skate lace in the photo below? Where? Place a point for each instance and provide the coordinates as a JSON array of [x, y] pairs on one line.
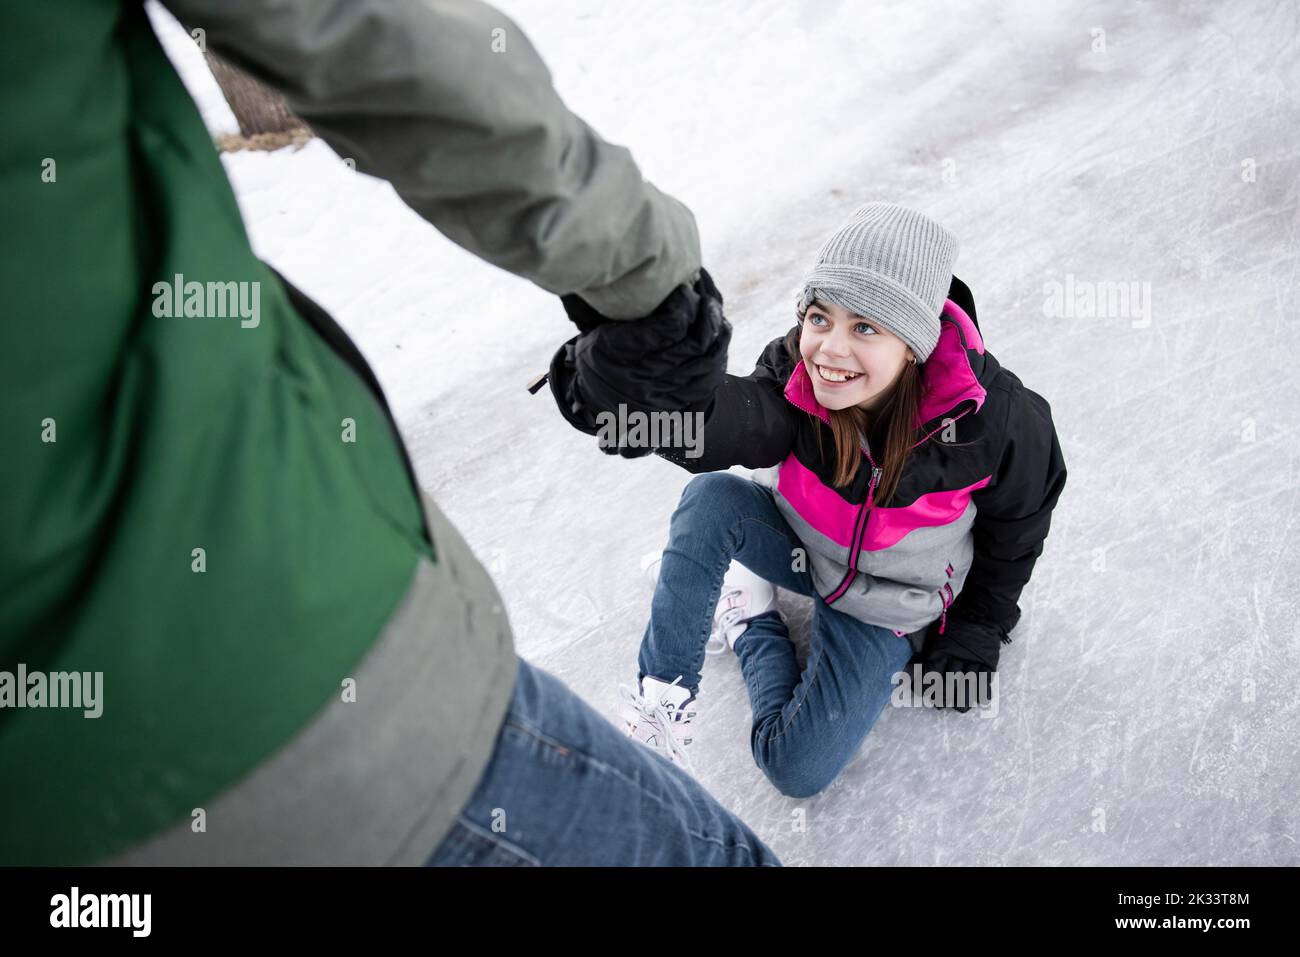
[[657, 714]]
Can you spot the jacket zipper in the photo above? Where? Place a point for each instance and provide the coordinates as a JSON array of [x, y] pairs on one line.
[[945, 593], [859, 530], [859, 525]]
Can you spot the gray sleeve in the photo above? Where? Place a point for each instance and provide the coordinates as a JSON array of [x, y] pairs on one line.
[[449, 101]]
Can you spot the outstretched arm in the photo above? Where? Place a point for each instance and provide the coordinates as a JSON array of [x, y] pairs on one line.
[[449, 101], [749, 422]]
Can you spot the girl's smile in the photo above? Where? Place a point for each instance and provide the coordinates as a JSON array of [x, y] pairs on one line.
[[833, 376]]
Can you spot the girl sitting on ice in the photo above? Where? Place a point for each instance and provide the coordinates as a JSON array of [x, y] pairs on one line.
[[914, 484]]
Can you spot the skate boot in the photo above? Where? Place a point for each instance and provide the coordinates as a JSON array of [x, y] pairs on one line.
[[661, 716], [744, 596]]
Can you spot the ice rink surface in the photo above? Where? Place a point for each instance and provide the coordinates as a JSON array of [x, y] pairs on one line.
[[1150, 701]]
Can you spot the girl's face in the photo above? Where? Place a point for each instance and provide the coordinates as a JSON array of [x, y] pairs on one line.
[[850, 359]]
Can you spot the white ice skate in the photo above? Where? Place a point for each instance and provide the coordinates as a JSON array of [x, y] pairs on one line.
[[744, 596], [661, 716]]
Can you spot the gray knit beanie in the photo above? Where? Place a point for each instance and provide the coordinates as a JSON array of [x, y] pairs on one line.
[[891, 265]]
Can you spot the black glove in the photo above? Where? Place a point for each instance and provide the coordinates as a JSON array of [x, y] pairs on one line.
[[968, 646], [563, 379], [672, 360]]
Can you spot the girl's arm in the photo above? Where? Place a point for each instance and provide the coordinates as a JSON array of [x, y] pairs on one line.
[[1013, 516], [749, 421]]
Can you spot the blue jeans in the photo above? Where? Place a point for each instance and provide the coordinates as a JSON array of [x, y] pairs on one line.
[[807, 726], [565, 787]]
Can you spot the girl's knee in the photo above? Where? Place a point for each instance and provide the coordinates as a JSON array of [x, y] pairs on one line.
[[797, 782], [714, 487], [791, 772]]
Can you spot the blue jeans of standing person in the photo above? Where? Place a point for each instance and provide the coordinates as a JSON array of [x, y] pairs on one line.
[[565, 787], [807, 726]]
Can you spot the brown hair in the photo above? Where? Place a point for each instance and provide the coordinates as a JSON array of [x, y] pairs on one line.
[[889, 429]]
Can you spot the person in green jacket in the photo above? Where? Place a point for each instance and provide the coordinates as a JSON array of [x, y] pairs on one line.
[[232, 629]]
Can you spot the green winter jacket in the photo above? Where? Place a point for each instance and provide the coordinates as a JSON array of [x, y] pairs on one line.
[[205, 498]]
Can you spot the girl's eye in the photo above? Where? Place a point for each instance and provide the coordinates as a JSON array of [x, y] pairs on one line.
[[860, 327]]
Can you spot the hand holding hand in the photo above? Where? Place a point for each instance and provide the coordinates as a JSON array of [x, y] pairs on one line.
[[672, 360]]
